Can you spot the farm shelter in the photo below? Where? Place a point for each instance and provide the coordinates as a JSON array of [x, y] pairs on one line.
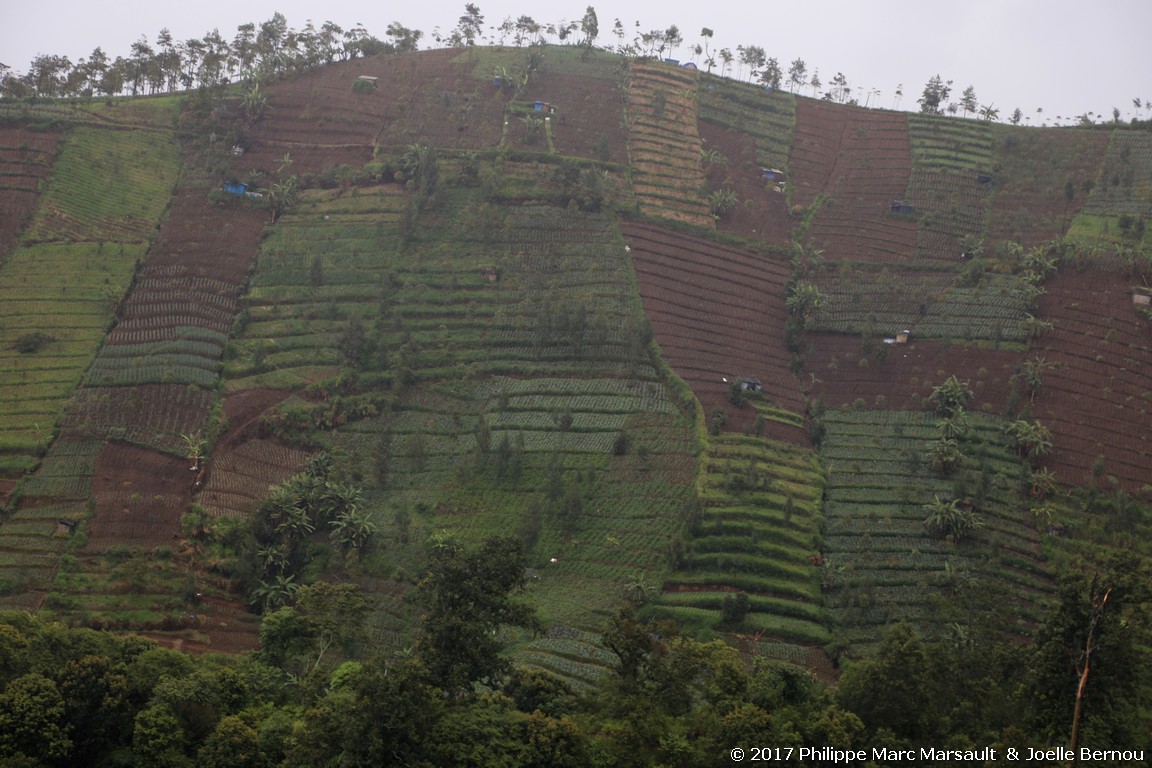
[[235, 188], [901, 206]]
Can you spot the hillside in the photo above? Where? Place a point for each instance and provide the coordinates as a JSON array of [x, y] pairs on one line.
[[567, 302]]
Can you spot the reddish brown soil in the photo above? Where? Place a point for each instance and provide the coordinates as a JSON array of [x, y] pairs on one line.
[[763, 212], [592, 112], [7, 485], [907, 375], [717, 312], [419, 98], [26, 159], [861, 160], [140, 496], [1097, 401], [243, 410], [239, 476]]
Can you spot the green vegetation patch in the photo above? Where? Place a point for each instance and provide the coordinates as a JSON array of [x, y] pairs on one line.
[[1125, 183], [931, 304], [66, 294], [882, 564], [107, 186], [747, 556]]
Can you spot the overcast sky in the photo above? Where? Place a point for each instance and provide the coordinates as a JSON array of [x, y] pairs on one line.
[[1068, 57]]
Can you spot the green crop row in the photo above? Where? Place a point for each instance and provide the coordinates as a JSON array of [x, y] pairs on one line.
[[107, 186]]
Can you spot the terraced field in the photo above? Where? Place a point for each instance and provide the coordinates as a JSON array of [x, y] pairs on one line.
[[758, 534], [496, 377], [1094, 397], [930, 304], [491, 358], [60, 290], [718, 314], [1045, 179], [881, 565], [663, 144]]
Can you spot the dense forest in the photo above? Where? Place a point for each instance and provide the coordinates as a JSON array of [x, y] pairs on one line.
[[80, 697]]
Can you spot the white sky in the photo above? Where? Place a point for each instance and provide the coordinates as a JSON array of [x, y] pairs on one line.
[[1068, 57]]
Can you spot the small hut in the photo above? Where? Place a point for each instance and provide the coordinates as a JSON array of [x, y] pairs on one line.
[[751, 385], [235, 188], [1141, 297], [902, 336], [901, 206], [984, 179], [772, 174]]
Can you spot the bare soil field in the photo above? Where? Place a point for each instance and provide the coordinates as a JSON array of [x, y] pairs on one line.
[[590, 120], [140, 496], [1096, 398], [905, 378], [861, 160], [427, 98], [148, 414], [763, 212], [718, 313]]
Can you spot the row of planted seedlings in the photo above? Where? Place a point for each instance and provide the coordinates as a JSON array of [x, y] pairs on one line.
[[55, 304], [973, 305], [925, 521], [949, 186], [747, 559]]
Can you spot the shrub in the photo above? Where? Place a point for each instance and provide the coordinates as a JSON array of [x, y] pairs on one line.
[[32, 342], [734, 608]]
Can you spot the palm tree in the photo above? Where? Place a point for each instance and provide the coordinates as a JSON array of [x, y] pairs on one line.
[[269, 595], [194, 446], [335, 499], [949, 398], [950, 518], [1033, 326], [953, 428], [1033, 374], [1033, 439], [273, 558], [352, 529], [1042, 482], [254, 103], [804, 302], [946, 455], [296, 524]]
